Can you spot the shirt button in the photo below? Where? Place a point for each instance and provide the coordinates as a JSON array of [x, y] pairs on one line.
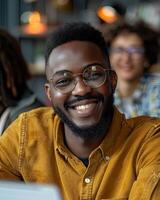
[[87, 180], [107, 158]]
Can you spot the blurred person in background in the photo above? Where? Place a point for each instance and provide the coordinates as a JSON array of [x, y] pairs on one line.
[[134, 50], [15, 87]]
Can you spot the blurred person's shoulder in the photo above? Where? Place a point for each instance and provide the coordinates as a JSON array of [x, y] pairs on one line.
[[152, 78]]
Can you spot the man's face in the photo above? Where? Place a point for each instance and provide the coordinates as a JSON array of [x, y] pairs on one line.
[[83, 107]]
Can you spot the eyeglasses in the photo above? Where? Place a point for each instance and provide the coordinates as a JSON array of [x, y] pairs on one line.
[[130, 50], [93, 76]]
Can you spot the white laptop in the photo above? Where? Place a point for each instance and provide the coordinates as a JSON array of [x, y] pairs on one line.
[[22, 191]]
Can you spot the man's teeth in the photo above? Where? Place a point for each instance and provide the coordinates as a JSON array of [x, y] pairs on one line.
[[82, 107]]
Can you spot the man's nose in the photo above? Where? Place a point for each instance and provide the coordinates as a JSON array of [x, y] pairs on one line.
[[81, 88]]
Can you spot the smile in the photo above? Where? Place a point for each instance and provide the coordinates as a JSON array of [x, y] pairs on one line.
[[85, 108]]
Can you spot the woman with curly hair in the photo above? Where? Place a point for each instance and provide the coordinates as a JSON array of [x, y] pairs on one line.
[[134, 48]]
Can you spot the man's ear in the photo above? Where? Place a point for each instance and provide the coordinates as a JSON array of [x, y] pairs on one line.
[[113, 78], [48, 91]]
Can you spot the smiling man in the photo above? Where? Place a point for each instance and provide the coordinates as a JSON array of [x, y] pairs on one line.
[[84, 145]]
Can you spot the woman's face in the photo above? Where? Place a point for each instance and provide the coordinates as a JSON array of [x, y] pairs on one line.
[[127, 56]]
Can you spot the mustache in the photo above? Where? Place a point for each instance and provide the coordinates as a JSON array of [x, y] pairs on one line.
[[98, 97]]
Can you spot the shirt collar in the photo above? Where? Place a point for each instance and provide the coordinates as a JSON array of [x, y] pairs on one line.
[[106, 147], [113, 134]]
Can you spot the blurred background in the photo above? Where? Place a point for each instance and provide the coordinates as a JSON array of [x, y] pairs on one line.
[[31, 20]]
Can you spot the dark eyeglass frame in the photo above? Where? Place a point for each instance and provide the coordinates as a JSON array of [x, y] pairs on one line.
[[130, 50], [101, 67]]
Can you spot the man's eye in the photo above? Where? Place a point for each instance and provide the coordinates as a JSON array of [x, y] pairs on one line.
[[63, 82], [94, 76]]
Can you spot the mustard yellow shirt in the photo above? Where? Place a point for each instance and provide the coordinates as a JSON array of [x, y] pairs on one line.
[[125, 166]]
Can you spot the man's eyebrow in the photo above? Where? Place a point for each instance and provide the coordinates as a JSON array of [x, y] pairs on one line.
[[62, 71], [95, 63]]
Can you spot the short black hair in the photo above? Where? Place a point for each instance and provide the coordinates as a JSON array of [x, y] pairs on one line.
[[80, 31]]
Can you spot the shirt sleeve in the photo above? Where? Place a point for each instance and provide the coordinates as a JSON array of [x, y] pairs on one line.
[[147, 185], [10, 152]]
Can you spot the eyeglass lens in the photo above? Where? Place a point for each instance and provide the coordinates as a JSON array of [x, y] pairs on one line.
[[130, 50], [93, 76]]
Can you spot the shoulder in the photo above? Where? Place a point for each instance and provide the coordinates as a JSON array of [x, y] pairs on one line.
[[30, 126], [31, 120], [31, 130], [38, 116], [144, 125], [39, 112], [152, 79]]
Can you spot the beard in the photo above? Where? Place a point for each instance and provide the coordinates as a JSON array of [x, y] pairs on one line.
[[93, 131]]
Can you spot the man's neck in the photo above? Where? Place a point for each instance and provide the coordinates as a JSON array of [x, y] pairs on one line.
[[81, 147]]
